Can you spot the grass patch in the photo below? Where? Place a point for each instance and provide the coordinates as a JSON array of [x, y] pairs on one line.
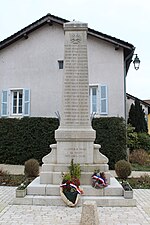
[[142, 182], [11, 180], [137, 167], [7, 179]]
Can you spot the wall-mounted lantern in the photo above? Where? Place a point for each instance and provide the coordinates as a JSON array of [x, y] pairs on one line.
[[136, 62]]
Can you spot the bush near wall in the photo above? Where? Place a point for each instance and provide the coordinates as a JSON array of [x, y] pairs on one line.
[[144, 141], [22, 139], [111, 135], [26, 138]]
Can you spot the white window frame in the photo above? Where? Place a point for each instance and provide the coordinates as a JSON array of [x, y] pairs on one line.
[[8, 112], [17, 103], [102, 98]]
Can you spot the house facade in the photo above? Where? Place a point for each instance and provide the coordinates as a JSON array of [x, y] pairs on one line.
[[31, 71]]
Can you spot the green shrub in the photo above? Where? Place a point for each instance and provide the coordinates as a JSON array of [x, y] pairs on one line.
[[74, 170], [31, 168], [74, 174], [137, 117], [111, 135], [123, 169], [26, 138], [144, 141], [139, 156], [132, 138], [66, 177]]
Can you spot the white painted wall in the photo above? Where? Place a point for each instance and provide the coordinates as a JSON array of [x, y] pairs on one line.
[[33, 63], [106, 67]]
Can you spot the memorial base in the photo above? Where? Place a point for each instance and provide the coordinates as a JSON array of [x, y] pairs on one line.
[[49, 194]]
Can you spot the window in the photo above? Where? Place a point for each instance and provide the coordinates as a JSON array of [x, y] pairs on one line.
[[15, 102], [93, 99], [60, 64], [98, 99]]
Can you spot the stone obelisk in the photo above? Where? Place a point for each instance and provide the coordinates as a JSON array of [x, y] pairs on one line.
[[75, 135]]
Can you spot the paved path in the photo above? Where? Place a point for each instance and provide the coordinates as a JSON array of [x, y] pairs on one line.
[[57, 215], [12, 169]]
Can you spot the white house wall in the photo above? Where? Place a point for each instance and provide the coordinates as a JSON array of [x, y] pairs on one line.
[[106, 67], [33, 63]]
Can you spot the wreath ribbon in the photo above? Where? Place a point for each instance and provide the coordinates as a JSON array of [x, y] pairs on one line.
[[72, 185], [98, 178]]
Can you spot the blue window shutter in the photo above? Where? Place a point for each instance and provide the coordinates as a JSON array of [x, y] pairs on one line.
[[4, 103], [26, 97], [103, 99]]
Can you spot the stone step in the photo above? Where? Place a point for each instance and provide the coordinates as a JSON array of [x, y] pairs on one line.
[[49, 194], [56, 177], [103, 201], [84, 167], [114, 189]]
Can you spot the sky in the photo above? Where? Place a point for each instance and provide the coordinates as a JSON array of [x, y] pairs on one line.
[[128, 20]]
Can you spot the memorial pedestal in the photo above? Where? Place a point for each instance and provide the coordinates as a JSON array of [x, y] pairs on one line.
[[75, 136]]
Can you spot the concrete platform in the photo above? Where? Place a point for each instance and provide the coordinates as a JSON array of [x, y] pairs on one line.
[[48, 194], [103, 201], [114, 189]]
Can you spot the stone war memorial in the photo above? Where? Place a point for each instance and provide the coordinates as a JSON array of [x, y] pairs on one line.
[[75, 136]]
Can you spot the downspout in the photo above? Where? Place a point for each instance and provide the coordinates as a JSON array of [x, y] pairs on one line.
[[125, 74], [125, 108]]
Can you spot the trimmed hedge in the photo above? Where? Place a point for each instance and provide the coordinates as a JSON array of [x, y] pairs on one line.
[[111, 135], [26, 138]]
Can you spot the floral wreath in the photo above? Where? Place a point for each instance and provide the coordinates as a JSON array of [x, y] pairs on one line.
[[99, 180], [70, 186]]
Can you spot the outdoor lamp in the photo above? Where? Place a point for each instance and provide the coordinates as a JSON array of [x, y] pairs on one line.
[[136, 62]]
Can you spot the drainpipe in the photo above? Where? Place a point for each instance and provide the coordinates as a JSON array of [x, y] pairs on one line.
[[125, 74], [125, 113]]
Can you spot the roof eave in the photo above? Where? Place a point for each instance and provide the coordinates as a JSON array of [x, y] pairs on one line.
[[112, 40], [49, 19], [129, 96]]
